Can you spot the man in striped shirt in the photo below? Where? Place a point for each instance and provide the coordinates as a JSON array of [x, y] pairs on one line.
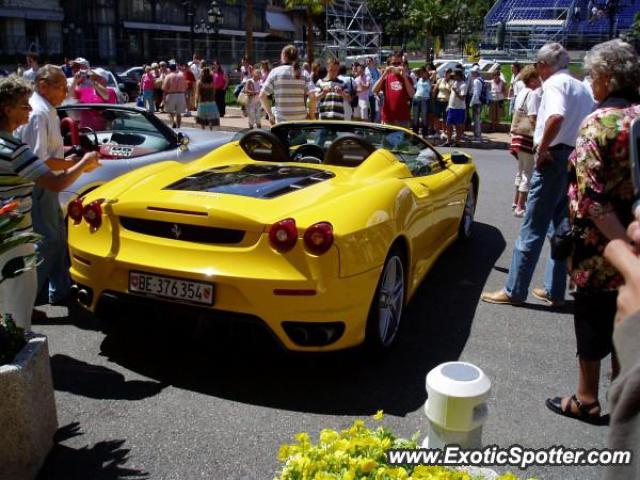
[[332, 94], [20, 169], [290, 86]]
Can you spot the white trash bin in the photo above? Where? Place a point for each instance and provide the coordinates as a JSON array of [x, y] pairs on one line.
[[456, 406]]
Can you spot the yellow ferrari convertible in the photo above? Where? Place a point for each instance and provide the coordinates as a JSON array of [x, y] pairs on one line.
[[319, 231]]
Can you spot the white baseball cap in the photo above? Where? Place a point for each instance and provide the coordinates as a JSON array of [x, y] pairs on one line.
[[102, 73], [81, 61]]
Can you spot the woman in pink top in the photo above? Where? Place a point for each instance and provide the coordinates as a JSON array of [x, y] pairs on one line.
[[147, 85], [98, 92], [220, 82]]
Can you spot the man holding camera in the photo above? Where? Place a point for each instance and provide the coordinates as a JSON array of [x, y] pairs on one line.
[[332, 94], [398, 91]]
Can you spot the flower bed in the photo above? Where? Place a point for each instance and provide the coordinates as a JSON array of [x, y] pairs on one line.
[[359, 452]]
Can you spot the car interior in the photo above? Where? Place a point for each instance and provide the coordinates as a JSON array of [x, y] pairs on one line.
[[341, 145], [116, 134]]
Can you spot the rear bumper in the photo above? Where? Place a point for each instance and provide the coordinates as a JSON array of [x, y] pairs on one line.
[[245, 284]]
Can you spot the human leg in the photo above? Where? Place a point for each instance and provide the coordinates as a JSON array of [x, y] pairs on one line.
[[542, 202], [53, 271], [477, 125]]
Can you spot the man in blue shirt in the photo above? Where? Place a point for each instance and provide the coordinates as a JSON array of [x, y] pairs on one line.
[[374, 74]]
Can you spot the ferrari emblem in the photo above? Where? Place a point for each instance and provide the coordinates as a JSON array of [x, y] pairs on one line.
[[176, 230]]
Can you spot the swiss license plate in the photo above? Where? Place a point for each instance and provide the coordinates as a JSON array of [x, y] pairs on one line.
[[173, 288]]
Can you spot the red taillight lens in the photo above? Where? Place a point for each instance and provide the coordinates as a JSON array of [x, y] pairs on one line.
[[319, 237], [283, 235], [92, 213], [75, 210]]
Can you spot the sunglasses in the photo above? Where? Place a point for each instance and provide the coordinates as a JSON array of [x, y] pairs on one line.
[[397, 64]]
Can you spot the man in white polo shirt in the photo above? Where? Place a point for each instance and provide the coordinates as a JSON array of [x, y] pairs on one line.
[[565, 103]]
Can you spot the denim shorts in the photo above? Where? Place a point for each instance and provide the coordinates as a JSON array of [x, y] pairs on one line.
[[455, 116]]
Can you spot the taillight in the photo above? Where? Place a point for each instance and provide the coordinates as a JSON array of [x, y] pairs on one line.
[[92, 214], [75, 210], [319, 237], [283, 235]]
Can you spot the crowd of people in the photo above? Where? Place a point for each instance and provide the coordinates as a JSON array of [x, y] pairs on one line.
[[573, 183], [573, 141]]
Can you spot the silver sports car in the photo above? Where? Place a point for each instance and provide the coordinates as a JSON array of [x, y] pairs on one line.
[[126, 138]]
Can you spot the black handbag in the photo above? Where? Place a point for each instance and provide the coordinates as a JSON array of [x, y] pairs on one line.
[[562, 242]]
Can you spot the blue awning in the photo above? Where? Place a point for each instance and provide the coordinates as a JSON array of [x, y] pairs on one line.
[[50, 14], [279, 21]]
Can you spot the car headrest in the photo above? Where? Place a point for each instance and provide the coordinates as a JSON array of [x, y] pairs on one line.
[[263, 146], [348, 150]]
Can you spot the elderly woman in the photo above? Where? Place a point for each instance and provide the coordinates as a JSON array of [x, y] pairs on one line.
[[600, 201], [523, 124], [20, 169]]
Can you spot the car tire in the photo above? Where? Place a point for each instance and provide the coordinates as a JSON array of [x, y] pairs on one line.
[[466, 222], [387, 305]]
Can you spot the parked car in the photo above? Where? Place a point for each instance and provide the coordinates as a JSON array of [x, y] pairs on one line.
[[320, 232], [134, 74], [127, 138], [129, 87]]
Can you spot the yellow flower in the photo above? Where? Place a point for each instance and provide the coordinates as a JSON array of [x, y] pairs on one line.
[[366, 465], [283, 453], [378, 416], [303, 437], [328, 436]]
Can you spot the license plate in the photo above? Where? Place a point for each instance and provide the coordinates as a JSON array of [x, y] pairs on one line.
[[172, 288]]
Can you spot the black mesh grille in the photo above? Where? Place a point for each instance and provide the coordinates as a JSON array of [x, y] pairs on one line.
[[183, 231]]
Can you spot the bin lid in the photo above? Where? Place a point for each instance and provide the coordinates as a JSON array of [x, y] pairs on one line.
[[458, 379]]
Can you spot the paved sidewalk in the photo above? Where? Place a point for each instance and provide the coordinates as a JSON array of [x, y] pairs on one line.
[[233, 121]]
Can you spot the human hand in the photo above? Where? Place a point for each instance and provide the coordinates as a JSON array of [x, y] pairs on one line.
[[625, 259], [634, 233], [90, 161], [543, 158]]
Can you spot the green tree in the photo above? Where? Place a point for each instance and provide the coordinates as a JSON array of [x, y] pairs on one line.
[[313, 8]]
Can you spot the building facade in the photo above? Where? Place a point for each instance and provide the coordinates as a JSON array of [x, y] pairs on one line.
[[132, 32], [30, 25], [129, 32]]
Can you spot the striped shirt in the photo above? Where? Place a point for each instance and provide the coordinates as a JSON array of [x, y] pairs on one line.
[[19, 169], [289, 93], [331, 103]]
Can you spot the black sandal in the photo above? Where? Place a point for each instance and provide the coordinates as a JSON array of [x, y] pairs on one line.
[[584, 410]]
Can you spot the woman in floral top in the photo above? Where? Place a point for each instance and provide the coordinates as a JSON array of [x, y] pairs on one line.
[[600, 201]]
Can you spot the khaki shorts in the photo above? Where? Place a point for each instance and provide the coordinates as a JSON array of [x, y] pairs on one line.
[[175, 103]]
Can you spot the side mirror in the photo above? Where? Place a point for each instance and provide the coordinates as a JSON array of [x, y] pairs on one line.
[[459, 158], [183, 141]]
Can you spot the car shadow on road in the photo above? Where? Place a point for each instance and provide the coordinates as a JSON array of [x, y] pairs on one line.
[[435, 329], [103, 461]]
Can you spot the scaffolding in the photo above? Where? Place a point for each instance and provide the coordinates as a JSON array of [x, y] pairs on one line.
[[351, 29]]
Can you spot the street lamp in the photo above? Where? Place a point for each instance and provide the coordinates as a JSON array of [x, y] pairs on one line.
[[215, 19]]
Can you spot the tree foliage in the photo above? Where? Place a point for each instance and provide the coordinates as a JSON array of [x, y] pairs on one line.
[[421, 19]]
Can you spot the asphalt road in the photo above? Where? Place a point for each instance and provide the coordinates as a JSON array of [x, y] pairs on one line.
[[166, 397]]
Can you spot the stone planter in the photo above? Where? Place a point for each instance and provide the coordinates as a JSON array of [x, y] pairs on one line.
[[28, 418]]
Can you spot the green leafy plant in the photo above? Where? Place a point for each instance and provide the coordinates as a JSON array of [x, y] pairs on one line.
[[358, 452], [12, 339]]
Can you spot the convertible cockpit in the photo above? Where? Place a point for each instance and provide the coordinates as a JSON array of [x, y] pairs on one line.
[[345, 144]]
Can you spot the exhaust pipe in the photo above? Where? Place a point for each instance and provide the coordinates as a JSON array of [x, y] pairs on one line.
[[83, 297]]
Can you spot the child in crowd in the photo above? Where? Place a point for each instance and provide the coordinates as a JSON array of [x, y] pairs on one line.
[[420, 102], [252, 88]]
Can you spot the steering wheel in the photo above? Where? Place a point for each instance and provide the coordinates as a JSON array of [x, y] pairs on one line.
[[96, 143], [308, 153], [348, 150]]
